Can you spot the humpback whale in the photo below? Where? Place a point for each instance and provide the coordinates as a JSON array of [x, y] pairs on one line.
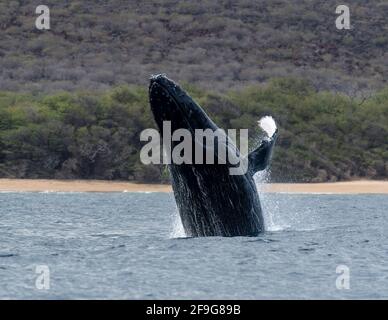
[[210, 200]]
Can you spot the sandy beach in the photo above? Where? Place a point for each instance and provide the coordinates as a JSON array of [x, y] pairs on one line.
[[39, 185]]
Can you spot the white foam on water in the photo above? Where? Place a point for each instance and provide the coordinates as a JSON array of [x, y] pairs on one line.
[[268, 124]]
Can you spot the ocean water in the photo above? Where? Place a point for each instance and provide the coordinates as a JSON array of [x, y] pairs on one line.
[[127, 246]]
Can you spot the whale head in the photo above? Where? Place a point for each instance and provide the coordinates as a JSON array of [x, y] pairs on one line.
[[169, 102]]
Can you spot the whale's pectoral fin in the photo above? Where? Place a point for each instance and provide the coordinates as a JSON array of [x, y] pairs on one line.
[[259, 158]]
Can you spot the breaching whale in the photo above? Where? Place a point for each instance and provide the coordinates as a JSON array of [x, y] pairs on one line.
[[211, 201]]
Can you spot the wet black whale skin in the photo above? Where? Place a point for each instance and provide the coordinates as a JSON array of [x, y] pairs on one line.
[[211, 201]]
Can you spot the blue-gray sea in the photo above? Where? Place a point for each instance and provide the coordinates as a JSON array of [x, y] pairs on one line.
[[128, 246]]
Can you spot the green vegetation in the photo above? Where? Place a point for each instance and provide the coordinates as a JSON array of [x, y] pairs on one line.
[[323, 136], [224, 44], [73, 100]]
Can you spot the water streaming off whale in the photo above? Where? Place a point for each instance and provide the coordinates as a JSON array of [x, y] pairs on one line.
[[273, 220]]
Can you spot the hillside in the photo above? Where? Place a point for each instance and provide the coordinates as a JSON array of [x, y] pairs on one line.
[[73, 99], [323, 136], [223, 44]]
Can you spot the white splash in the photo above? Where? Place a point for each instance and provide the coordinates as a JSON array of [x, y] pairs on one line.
[[270, 206], [268, 124], [177, 227]]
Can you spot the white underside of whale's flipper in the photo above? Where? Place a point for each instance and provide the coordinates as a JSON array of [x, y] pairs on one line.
[[261, 156], [268, 124]]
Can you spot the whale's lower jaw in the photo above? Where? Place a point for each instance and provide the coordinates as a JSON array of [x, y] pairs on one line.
[[209, 207]]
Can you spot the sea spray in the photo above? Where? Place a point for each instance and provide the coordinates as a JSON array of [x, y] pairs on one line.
[[270, 206], [177, 227]]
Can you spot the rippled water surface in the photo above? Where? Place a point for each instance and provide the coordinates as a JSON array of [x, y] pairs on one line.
[[122, 245]]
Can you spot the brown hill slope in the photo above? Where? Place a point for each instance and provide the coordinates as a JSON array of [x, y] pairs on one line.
[[228, 43]]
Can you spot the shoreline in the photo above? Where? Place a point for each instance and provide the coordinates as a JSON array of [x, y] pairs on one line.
[[45, 185]]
